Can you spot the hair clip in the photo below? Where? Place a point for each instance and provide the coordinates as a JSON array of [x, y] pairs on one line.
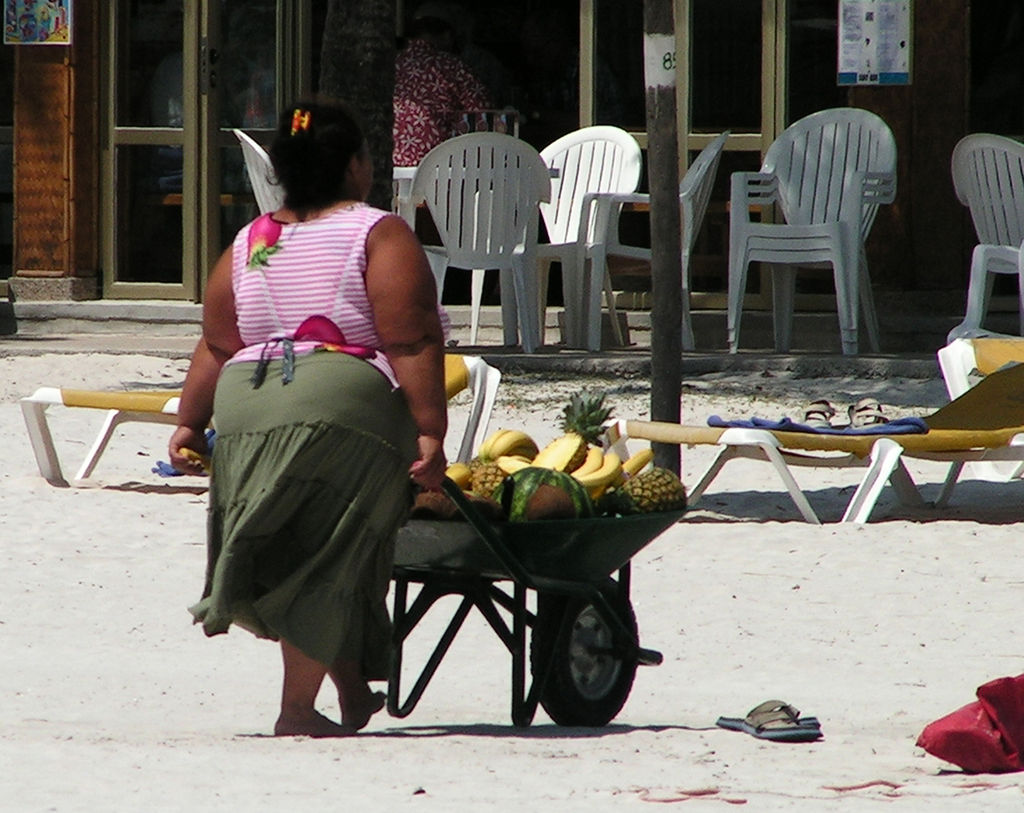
[[301, 120]]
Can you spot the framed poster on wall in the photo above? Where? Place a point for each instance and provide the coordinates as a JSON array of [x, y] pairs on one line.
[[37, 22], [874, 42]]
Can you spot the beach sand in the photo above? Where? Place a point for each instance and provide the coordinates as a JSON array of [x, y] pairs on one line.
[[113, 701]]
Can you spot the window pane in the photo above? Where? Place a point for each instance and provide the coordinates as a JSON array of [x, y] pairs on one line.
[[997, 67], [149, 214], [152, 66], [238, 206], [726, 66], [813, 32], [247, 64], [619, 70]]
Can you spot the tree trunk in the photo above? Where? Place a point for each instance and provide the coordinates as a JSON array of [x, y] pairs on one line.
[[666, 249], [358, 67]]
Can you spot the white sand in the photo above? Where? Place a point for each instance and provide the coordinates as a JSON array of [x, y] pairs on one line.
[[113, 701]]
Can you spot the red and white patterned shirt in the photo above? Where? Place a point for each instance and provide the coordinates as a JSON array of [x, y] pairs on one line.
[[431, 87]]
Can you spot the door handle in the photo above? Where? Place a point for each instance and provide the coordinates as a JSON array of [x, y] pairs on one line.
[[208, 57]]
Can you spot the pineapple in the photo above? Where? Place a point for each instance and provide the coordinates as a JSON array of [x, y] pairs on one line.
[[485, 476], [656, 489], [582, 420]]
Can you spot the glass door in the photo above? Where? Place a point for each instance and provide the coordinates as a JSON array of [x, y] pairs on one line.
[[180, 77]]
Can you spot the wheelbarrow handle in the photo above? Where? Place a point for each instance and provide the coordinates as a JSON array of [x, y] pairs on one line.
[[487, 533]]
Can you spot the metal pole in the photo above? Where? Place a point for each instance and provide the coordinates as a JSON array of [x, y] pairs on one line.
[[666, 249]]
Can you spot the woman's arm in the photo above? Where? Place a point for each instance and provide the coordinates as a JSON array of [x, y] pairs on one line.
[[220, 340], [401, 292]]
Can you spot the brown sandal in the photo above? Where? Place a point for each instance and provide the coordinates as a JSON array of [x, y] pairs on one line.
[[866, 412]]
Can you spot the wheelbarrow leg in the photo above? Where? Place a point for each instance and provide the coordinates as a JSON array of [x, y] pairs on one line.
[[403, 624]]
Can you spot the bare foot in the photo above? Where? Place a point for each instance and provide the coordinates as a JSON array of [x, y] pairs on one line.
[[313, 724], [357, 715]]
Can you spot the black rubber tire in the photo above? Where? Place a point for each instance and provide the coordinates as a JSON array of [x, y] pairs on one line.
[[586, 687]]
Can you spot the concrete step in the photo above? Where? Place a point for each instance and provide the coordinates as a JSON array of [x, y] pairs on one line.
[[902, 332]]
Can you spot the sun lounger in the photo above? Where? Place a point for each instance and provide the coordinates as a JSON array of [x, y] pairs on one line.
[[986, 423], [149, 406], [966, 361]]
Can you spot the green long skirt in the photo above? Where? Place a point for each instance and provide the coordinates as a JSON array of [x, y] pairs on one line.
[[310, 486]]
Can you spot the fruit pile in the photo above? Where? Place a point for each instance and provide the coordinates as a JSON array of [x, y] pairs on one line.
[[511, 478]]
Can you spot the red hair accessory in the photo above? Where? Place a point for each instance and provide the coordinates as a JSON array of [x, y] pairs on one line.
[[301, 120]]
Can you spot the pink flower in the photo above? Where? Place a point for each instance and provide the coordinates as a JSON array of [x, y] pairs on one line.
[[263, 236]]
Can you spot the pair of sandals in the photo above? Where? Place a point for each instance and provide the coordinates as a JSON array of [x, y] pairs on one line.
[[821, 414]]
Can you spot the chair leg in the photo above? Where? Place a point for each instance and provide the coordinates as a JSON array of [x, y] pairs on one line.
[[687, 322], [884, 456], [783, 288], [110, 423], [1020, 301], [509, 308], [795, 492], [613, 312], [593, 283], [867, 306], [847, 301], [476, 297], [949, 484], [41, 439], [979, 289], [737, 286], [438, 267], [524, 298]]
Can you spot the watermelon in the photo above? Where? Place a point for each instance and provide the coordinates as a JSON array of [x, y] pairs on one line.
[[541, 493]]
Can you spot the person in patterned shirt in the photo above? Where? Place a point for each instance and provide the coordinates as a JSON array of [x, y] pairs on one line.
[[432, 87]]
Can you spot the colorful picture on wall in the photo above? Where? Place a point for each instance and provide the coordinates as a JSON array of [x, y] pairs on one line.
[[37, 22]]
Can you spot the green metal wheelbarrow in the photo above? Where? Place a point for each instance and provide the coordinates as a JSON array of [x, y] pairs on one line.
[[584, 646]]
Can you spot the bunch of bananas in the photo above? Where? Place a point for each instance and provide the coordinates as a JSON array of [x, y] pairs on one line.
[[512, 450], [507, 443]]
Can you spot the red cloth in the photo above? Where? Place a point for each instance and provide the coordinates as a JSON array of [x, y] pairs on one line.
[[431, 87], [986, 736]]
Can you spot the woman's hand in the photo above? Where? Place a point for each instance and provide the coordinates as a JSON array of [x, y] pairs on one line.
[[185, 437], [428, 470]]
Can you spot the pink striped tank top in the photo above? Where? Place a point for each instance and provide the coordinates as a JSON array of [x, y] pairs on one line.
[[283, 273]]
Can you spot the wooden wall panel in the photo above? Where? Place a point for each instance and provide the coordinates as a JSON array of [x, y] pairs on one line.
[[919, 243], [56, 148]]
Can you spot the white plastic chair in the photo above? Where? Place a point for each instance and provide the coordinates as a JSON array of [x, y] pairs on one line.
[[584, 165], [269, 195], [482, 191], [827, 173], [694, 195], [988, 175]]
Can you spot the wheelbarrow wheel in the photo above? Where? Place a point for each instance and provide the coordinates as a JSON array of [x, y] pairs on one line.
[[590, 676]]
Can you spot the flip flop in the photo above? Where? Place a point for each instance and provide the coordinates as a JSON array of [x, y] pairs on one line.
[[819, 414], [774, 720], [866, 412]]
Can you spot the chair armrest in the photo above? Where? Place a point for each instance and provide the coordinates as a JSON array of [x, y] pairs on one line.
[[618, 198], [596, 216], [749, 189]]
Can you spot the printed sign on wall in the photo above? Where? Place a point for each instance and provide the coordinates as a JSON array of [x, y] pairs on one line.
[[37, 22], [874, 42]]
